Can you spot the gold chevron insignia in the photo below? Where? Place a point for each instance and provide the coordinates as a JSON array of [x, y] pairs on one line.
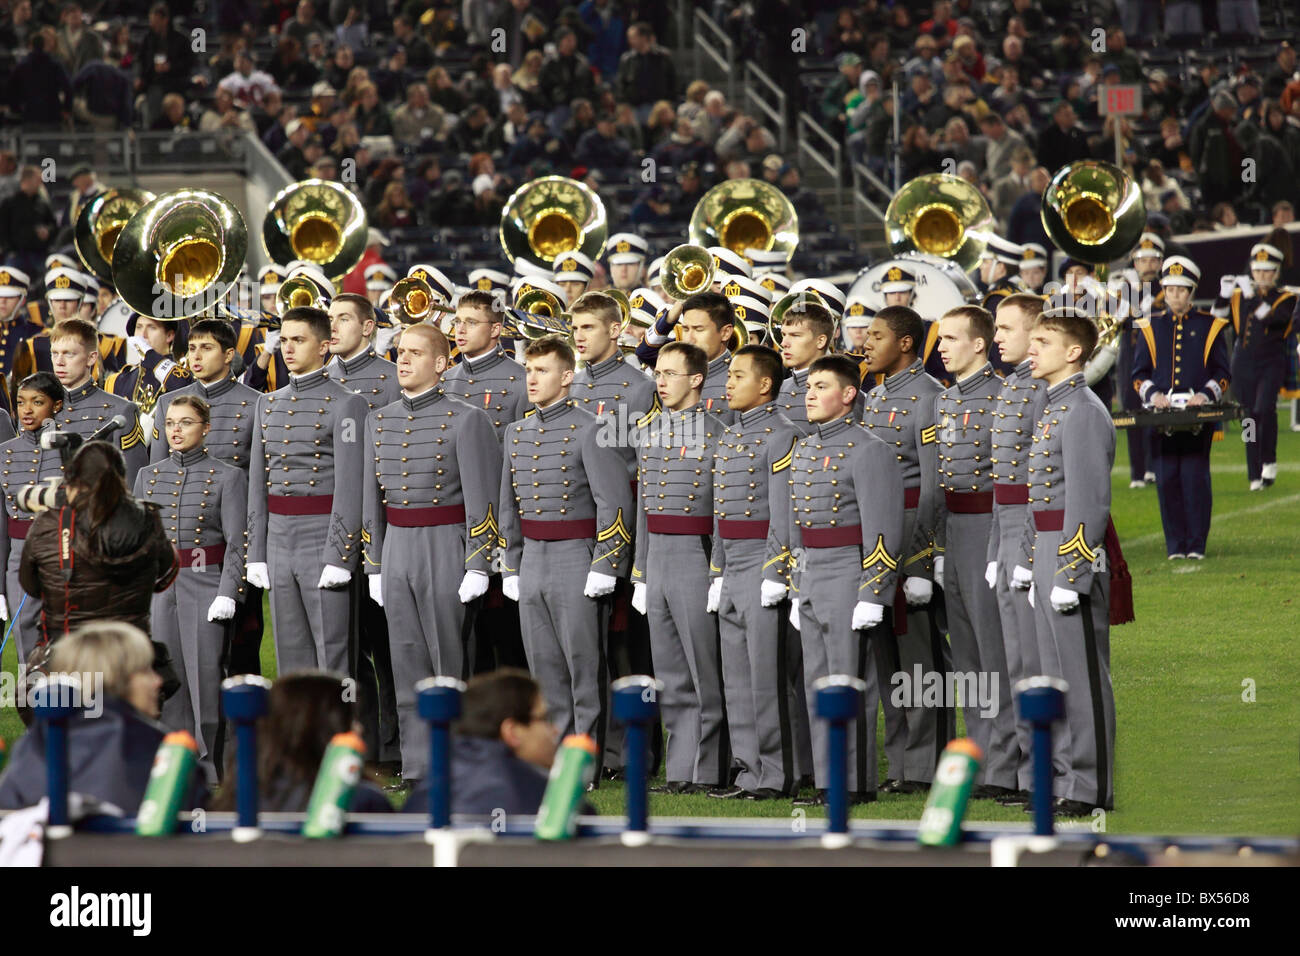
[[488, 525], [881, 555], [1077, 542], [135, 438], [616, 529], [929, 435], [365, 536], [782, 463]]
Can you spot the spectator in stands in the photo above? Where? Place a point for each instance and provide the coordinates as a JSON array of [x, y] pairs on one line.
[[395, 210], [660, 125], [525, 28], [387, 170], [1009, 93], [27, 224], [1018, 121], [470, 134], [306, 710], [736, 169], [1275, 167], [941, 26], [958, 143], [102, 96], [1025, 224], [1160, 98], [582, 117], [602, 147], [746, 140], [247, 84], [1118, 54], [1028, 68], [536, 144], [918, 156], [1155, 184], [504, 91], [969, 59], [39, 90], [224, 115], [835, 99], [1181, 220], [18, 26], [926, 60], [174, 116], [292, 156], [1141, 18], [1002, 145], [419, 55], [1201, 87], [290, 69], [487, 203], [1062, 141], [352, 32], [1281, 72], [426, 181], [341, 66], [880, 136], [1282, 213], [607, 27], [166, 59], [502, 748], [370, 115], [418, 120], [1224, 216], [566, 76], [1171, 150], [1286, 133], [690, 188], [527, 81], [645, 72], [1248, 102], [304, 23], [111, 739], [1008, 189], [683, 146], [921, 98], [966, 170], [653, 208], [77, 46], [1067, 50], [1215, 151], [444, 92]]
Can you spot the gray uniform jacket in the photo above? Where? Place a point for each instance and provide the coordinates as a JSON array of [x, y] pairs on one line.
[[371, 377], [714, 391], [493, 382], [615, 391], [1019, 407], [791, 401], [88, 408], [231, 406]]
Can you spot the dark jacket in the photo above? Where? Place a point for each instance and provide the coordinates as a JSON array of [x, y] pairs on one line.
[[646, 77], [565, 79], [110, 756], [20, 214], [175, 46], [115, 570], [485, 778], [39, 90], [1057, 147], [366, 798]]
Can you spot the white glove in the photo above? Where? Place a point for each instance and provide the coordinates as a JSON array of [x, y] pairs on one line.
[[1063, 599], [771, 593], [866, 614], [332, 576], [384, 339], [140, 345], [4, 608], [599, 584], [1246, 285], [1031, 595], [258, 576], [474, 584], [1263, 310], [510, 587], [1022, 578], [1226, 285], [375, 582], [991, 574], [272, 341], [794, 614], [918, 591], [715, 596], [938, 570], [639, 597], [221, 609]]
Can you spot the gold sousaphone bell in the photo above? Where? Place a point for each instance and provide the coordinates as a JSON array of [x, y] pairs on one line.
[[100, 222], [940, 215], [742, 214], [178, 255], [317, 221], [686, 270], [552, 215]]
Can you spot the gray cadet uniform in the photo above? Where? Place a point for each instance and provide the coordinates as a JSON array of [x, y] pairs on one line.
[[965, 413], [493, 382], [25, 463], [713, 393], [429, 515], [231, 405], [566, 510], [1019, 406], [791, 401], [1069, 508], [900, 411], [847, 498], [371, 377], [204, 504], [762, 672], [90, 407], [296, 522], [674, 543]]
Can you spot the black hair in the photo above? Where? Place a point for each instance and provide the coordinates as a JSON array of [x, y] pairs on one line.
[[317, 319], [47, 384], [98, 472], [217, 330], [490, 699], [717, 305], [767, 362], [904, 321]]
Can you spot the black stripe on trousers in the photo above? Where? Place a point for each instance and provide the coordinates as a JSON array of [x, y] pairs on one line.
[[783, 692], [724, 742], [863, 655], [469, 638], [1098, 707], [602, 680], [943, 710]]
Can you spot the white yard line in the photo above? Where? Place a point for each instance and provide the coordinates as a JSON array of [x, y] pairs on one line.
[[1219, 518]]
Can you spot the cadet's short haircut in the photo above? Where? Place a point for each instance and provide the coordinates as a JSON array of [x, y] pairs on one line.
[[318, 320], [904, 322], [437, 340], [605, 307], [697, 363], [1029, 304], [552, 345], [365, 308], [491, 699], [767, 363], [844, 369], [79, 329], [215, 329], [480, 299], [980, 322], [815, 315], [717, 305], [1075, 324], [195, 402]]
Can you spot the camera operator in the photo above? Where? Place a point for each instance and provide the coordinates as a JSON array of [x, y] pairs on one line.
[[25, 462], [116, 554]]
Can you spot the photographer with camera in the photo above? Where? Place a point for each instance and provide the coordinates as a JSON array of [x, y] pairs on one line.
[[30, 473], [115, 554]]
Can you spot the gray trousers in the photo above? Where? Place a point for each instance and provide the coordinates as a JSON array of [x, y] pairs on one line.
[[828, 592], [428, 627], [179, 618], [914, 736], [1082, 639], [765, 701], [27, 630], [564, 634], [975, 630], [686, 655], [312, 625]]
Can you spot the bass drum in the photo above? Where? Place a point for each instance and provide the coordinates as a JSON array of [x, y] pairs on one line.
[[940, 284], [113, 320]]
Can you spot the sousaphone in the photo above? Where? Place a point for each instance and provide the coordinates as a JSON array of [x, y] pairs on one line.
[[547, 217], [742, 214], [317, 221], [100, 222], [939, 215]]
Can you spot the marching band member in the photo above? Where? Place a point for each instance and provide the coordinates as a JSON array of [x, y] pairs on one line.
[[380, 277], [1069, 495], [708, 320], [999, 270], [304, 516], [1020, 404], [40, 400], [726, 264], [1144, 296], [767, 262], [965, 415], [16, 323], [204, 507], [269, 279], [1160, 370], [566, 543], [64, 289], [1033, 266], [573, 271], [849, 524], [626, 254], [159, 345], [1261, 315], [491, 281], [674, 543], [652, 273], [762, 679], [429, 528], [854, 325], [900, 411]]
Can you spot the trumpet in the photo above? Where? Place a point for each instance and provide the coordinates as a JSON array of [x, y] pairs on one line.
[[298, 292], [687, 269]]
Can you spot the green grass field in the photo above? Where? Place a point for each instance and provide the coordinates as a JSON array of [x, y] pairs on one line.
[[1194, 754]]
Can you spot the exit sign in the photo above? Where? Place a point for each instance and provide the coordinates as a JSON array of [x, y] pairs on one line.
[[1120, 100]]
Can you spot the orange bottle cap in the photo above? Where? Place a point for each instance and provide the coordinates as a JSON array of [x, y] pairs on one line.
[[581, 741], [964, 745], [350, 740], [181, 738]]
